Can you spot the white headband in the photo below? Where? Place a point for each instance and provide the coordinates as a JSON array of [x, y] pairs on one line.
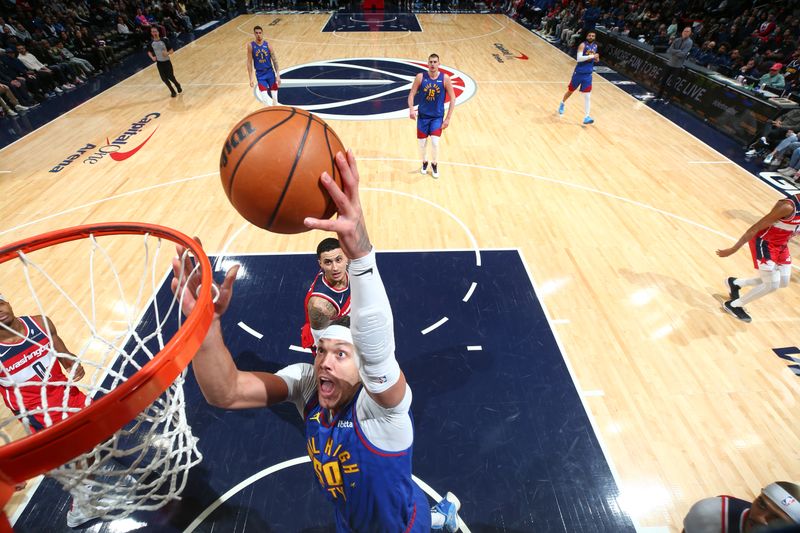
[[3, 298], [337, 332], [785, 501]]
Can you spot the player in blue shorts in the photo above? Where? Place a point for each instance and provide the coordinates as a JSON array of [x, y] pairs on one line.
[[582, 77], [432, 86], [354, 399], [261, 58]]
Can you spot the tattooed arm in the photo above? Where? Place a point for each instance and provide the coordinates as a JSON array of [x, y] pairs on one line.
[[320, 312]]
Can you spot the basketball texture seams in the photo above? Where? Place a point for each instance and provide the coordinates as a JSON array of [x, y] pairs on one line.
[[270, 167]]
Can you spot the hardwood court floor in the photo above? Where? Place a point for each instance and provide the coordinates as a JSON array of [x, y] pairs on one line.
[[618, 223]]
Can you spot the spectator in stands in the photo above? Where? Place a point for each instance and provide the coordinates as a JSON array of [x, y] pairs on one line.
[[122, 26], [68, 56], [41, 82], [32, 63], [773, 79], [17, 84], [8, 96], [672, 29], [749, 72], [775, 131], [766, 28], [22, 33]]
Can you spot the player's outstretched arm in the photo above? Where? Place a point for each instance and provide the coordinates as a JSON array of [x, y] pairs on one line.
[[782, 209], [371, 321], [222, 384]]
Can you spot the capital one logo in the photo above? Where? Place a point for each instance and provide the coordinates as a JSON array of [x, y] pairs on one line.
[[361, 88]]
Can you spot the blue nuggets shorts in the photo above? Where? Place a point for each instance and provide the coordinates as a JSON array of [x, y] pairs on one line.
[[427, 126], [582, 81]]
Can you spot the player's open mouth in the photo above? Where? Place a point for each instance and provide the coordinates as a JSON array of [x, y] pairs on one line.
[[326, 386]]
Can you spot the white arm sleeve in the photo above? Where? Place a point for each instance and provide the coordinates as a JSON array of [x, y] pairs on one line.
[[299, 378], [581, 58], [704, 517], [389, 429], [372, 325]]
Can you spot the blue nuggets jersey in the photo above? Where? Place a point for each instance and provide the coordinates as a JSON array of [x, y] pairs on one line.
[[371, 489], [432, 93], [586, 67], [261, 59]]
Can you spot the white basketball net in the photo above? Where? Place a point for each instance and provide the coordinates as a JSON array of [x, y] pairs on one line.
[[115, 326]]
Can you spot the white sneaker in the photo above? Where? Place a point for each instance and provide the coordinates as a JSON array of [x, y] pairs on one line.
[[20, 107], [58, 90], [77, 517], [11, 113], [424, 169], [788, 172], [768, 159], [435, 170]]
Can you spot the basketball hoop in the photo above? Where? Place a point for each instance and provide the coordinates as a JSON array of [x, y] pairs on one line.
[[129, 447]]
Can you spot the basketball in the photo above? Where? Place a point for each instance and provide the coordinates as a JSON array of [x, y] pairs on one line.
[[271, 164]]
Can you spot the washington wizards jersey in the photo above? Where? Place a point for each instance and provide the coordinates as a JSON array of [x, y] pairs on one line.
[[261, 59], [33, 362], [781, 231], [371, 489], [723, 514], [432, 93], [339, 298], [586, 67]]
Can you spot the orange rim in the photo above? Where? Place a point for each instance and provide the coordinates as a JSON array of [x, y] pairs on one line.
[[58, 444]]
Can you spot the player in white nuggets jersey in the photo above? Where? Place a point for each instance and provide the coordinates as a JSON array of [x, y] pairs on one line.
[[433, 86], [261, 58], [769, 246], [354, 400]]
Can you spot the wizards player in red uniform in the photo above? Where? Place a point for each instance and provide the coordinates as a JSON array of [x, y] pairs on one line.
[[431, 120], [261, 56], [769, 246], [32, 356], [354, 399], [777, 504], [328, 297], [582, 76]]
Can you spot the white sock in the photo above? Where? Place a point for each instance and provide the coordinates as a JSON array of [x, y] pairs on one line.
[[749, 282], [437, 520], [422, 148], [770, 281], [434, 149], [587, 102]]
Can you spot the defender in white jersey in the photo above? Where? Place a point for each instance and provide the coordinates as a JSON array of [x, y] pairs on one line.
[[354, 400]]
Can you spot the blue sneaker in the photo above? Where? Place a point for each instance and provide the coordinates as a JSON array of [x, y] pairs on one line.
[[561, 108], [448, 508], [588, 120]]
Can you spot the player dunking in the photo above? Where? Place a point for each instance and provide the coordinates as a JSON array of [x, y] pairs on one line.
[[354, 400], [582, 76], [328, 297], [261, 55], [769, 246], [430, 116]]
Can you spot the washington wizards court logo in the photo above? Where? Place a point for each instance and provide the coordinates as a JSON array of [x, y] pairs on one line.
[[360, 88]]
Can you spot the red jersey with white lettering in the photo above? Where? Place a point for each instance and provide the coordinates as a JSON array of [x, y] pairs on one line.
[[339, 298], [772, 244], [29, 365]]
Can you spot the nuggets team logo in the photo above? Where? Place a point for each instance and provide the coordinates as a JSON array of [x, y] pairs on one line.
[[361, 88], [430, 91]]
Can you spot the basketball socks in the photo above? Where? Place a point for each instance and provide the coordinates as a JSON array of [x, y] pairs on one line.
[[434, 149], [587, 102], [423, 146]]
